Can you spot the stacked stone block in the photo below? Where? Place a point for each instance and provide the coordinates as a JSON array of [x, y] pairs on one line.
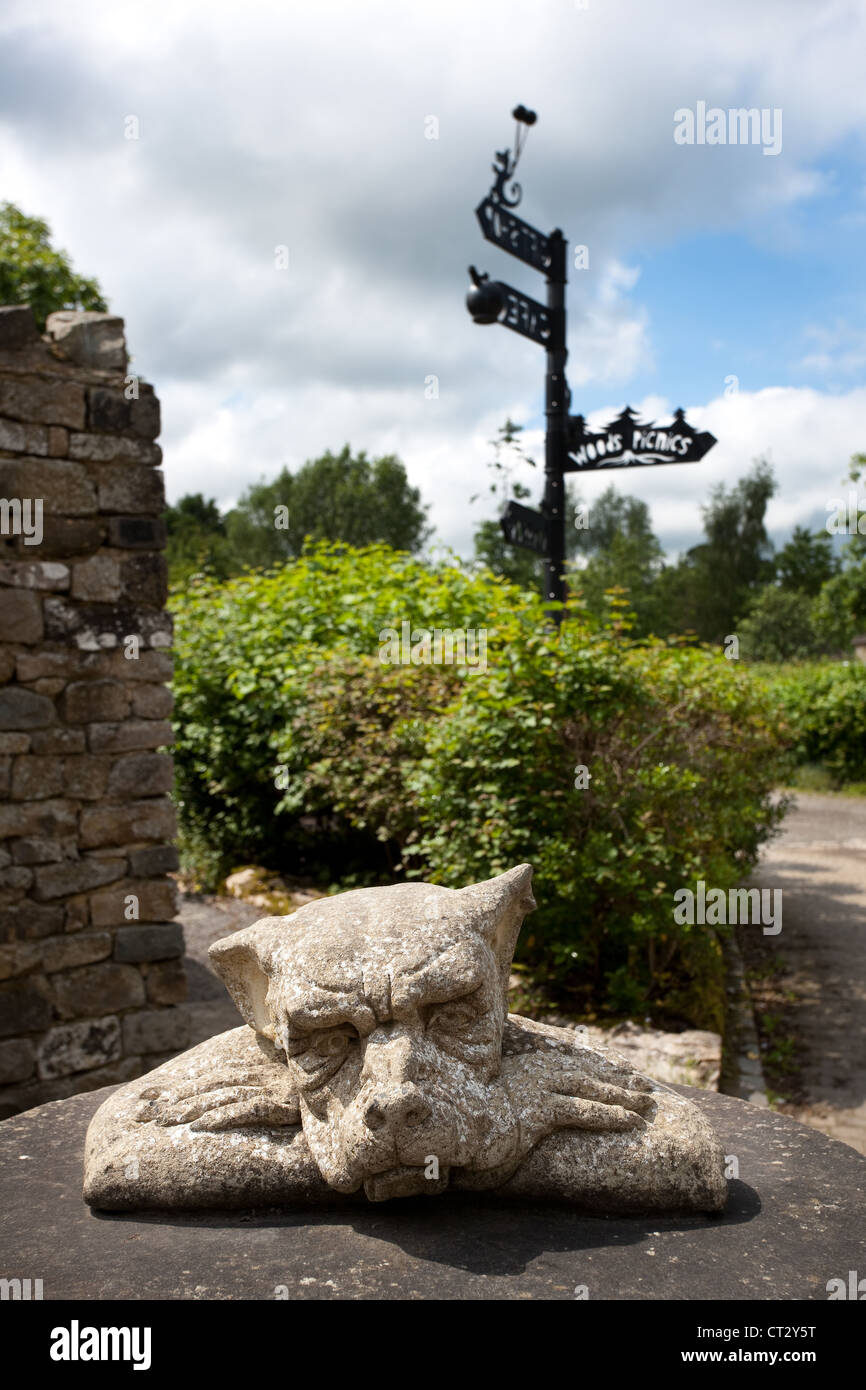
[[91, 975]]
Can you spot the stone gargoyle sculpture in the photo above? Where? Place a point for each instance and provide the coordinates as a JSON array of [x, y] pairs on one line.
[[378, 1054]]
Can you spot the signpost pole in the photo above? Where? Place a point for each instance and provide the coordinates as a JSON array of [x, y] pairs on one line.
[[569, 447], [556, 436]]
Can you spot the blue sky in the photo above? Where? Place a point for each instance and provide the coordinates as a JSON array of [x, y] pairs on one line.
[[305, 126]]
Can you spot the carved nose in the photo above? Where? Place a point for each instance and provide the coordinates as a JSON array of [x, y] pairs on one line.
[[399, 1109]]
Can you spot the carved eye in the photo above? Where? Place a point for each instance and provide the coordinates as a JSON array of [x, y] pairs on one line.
[[334, 1043], [453, 1017]]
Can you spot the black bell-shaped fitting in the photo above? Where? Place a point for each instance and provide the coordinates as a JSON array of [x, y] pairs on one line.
[[485, 301]]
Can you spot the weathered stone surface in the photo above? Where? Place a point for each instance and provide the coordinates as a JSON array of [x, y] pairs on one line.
[[166, 982], [74, 876], [106, 448], [96, 580], [19, 958], [14, 743], [23, 1009], [151, 702], [137, 533], [85, 702], [133, 488], [144, 579], [58, 442], [17, 1060], [58, 741], [63, 487], [27, 1094], [83, 652], [117, 824], [63, 537], [141, 774], [76, 912], [49, 686], [21, 709], [48, 400], [112, 413], [27, 920], [151, 860], [74, 1047], [92, 989], [35, 574], [67, 952], [17, 327], [85, 777], [161, 1030], [20, 616], [793, 1221], [155, 901], [401, 1050], [18, 876], [32, 666], [158, 941], [93, 627], [36, 851], [36, 779], [131, 734], [41, 818], [88, 338], [17, 437]]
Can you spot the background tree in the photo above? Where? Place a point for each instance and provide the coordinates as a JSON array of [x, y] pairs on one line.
[[780, 627], [335, 497], [616, 549], [196, 539], [714, 583], [840, 608], [806, 562], [513, 562], [33, 272], [338, 497]]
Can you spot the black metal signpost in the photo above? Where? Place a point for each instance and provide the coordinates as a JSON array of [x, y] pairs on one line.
[[569, 447]]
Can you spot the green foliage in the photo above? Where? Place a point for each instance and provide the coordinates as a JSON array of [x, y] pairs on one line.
[[338, 497], [806, 562], [196, 539], [780, 627], [33, 272], [825, 707], [513, 562], [297, 747], [714, 582], [619, 550]]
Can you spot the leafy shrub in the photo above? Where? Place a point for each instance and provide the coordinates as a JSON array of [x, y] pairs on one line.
[[454, 774], [825, 706]]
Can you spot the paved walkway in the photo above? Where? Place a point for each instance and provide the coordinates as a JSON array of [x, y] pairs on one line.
[[819, 862]]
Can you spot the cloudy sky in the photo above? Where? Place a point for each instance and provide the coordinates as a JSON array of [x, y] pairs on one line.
[[721, 278]]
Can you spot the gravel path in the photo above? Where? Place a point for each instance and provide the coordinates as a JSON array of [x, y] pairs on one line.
[[819, 862]]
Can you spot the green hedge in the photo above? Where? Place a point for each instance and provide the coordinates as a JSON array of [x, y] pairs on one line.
[[824, 704], [433, 771]]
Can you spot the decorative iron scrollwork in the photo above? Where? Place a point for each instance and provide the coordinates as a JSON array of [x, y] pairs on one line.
[[504, 168]]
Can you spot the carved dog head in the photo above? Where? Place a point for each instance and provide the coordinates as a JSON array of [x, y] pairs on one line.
[[390, 1006]]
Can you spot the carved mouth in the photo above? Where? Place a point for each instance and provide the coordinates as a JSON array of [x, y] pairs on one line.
[[404, 1181]]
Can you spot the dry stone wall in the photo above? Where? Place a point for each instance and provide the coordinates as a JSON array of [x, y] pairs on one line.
[[91, 975]]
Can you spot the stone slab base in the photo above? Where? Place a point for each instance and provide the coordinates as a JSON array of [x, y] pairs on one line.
[[794, 1220]]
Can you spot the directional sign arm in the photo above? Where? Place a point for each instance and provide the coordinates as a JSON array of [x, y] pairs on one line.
[[501, 226], [526, 316]]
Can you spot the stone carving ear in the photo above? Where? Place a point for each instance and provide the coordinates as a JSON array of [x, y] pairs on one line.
[[242, 962], [498, 908]]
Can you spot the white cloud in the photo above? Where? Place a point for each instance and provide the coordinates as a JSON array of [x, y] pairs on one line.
[[269, 124]]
